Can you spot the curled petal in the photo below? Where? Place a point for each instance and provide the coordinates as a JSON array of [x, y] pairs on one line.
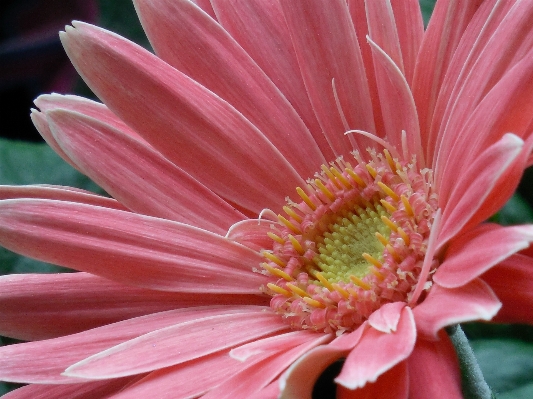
[[475, 184], [365, 364], [444, 307], [476, 251]]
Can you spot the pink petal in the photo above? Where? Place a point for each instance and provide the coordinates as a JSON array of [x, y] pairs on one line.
[[444, 307], [397, 105], [138, 176], [387, 317], [481, 27], [475, 184], [378, 352], [393, 384], [154, 253], [207, 54], [357, 9], [43, 362], [186, 380], [410, 27], [42, 306], [382, 30], [252, 233], [447, 24], [509, 43], [512, 282], [298, 381], [328, 54], [61, 193], [41, 124], [259, 375], [206, 6], [506, 108], [86, 390], [188, 124], [271, 391], [178, 344], [273, 344], [260, 29], [434, 370], [476, 251], [93, 109]]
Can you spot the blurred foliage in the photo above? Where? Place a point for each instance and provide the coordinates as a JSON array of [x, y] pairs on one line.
[[34, 163], [427, 8], [507, 365]]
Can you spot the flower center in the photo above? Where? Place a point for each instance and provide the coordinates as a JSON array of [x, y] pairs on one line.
[[356, 240]]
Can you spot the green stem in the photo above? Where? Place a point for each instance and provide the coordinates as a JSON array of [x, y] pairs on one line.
[[474, 385]]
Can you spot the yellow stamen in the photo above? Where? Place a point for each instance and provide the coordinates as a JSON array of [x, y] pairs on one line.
[[407, 206], [371, 170], [289, 211], [296, 244], [276, 238], [341, 291], [325, 190], [390, 161], [381, 239], [297, 290], [279, 290], [389, 223], [393, 252], [387, 190], [273, 258], [324, 281], [357, 281], [277, 272], [305, 198], [352, 292], [377, 274], [330, 175], [356, 178], [370, 259], [341, 178], [314, 302], [289, 225], [404, 236], [388, 206]]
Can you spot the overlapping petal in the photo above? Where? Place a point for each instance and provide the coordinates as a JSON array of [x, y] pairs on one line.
[[447, 306], [364, 364], [210, 56], [127, 169], [42, 306], [191, 126], [154, 253], [31, 362]]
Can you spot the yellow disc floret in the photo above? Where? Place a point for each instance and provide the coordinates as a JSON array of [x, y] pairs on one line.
[[354, 242]]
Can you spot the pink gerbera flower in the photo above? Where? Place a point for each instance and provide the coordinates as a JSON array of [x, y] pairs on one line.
[[293, 182]]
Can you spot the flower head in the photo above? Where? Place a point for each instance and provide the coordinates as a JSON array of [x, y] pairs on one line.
[[292, 183]]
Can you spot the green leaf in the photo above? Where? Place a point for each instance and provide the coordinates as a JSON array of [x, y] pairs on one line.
[[507, 366]]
